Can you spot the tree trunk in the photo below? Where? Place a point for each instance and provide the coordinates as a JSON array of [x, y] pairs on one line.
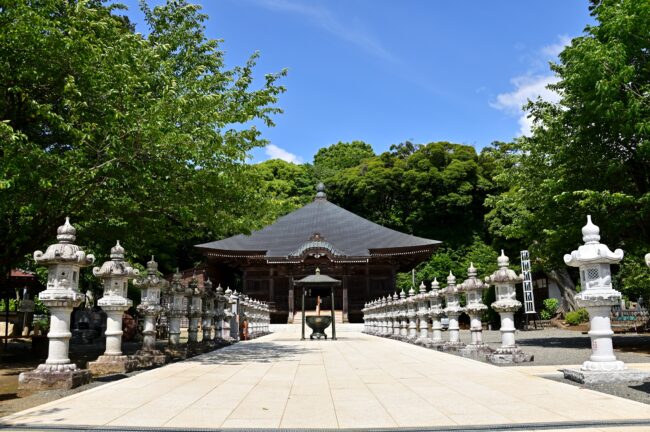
[[568, 289]]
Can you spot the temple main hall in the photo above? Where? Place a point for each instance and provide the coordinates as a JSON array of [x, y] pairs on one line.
[[363, 255]]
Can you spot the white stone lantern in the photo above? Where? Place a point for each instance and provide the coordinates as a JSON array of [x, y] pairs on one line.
[[403, 316], [151, 287], [115, 275], [395, 314], [506, 304], [64, 261], [175, 313], [423, 315], [195, 310], [475, 308], [208, 311], [412, 315], [453, 310], [593, 259], [219, 314], [228, 315], [390, 320], [436, 312]]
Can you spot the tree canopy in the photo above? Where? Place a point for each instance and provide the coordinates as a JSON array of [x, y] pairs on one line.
[[137, 138]]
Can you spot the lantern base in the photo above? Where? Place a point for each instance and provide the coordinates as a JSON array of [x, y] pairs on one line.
[[149, 358], [606, 377], [52, 377], [476, 350], [455, 346], [112, 365], [509, 356]]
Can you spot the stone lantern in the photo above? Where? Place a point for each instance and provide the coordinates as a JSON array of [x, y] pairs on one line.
[[412, 315], [423, 315], [175, 313], [473, 288], [207, 313], [403, 315], [151, 287], [227, 315], [453, 311], [219, 300], [436, 312], [390, 322], [395, 314], [383, 317], [64, 261], [506, 305], [194, 312], [593, 260], [115, 275]]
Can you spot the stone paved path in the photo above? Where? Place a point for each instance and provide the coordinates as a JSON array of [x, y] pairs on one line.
[[359, 381]]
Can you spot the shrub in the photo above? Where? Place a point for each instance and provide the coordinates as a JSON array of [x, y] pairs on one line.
[[13, 303], [550, 308], [577, 317]]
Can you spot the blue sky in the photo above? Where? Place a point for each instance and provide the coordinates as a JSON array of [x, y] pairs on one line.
[[385, 71]]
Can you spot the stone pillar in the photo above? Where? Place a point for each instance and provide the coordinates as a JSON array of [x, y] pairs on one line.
[[423, 315], [506, 305], [151, 287], [195, 311], [453, 311], [436, 312], [227, 315], [207, 314], [597, 296], [64, 261], [115, 275], [234, 316], [473, 288], [219, 315]]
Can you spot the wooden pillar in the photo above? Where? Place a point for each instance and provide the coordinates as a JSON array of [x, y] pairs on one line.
[[345, 299], [333, 317], [290, 317], [303, 313], [367, 282], [271, 287]]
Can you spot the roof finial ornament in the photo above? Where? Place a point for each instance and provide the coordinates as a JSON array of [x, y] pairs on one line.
[[320, 191]]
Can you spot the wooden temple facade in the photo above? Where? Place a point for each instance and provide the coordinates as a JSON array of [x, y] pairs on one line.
[[363, 255]]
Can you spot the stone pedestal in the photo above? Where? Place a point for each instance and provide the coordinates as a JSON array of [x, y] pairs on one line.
[[64, 261], [454, 343], [594, 260], [509, 356], [113, 361], [52, 377]]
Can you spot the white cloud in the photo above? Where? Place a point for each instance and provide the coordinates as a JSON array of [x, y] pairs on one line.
[[531, 85], [326, 20], [275, 152], [527, 87]]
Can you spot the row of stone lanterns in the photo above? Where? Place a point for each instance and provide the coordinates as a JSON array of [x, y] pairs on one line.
[[416, 318], [216, 310]]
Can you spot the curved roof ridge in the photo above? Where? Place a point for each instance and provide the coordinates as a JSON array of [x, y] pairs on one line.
[[347, 232]]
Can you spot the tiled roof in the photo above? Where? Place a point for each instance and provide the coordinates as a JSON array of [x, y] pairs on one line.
[[347, 233]]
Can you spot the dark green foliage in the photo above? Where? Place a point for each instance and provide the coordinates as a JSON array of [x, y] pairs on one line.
[[577, 317], [142, 139], [550, 308]]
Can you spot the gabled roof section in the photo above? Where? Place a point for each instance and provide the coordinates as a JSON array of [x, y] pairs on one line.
[[342, 231]]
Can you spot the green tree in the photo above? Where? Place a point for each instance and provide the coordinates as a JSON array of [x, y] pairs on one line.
[[141, 138], [329, 161], [590, 152], [286, 185]]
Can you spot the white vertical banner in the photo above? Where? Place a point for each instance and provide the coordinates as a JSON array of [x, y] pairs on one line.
[[529, 299]]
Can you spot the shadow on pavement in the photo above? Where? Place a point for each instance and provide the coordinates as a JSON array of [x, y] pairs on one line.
[[258, 352]]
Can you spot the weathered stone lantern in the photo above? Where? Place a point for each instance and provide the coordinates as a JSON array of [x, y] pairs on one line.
[[194, 312], [64, 261], [436, 312], [403, 316], [115, 275], [219, 301], [594, 259], [453, 311], [228, 315], [506, 305], [207, 312], [151, 286], [412, 315], [175, 313], [423, 315], [390, 321], [474, 288], [395, 315]]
